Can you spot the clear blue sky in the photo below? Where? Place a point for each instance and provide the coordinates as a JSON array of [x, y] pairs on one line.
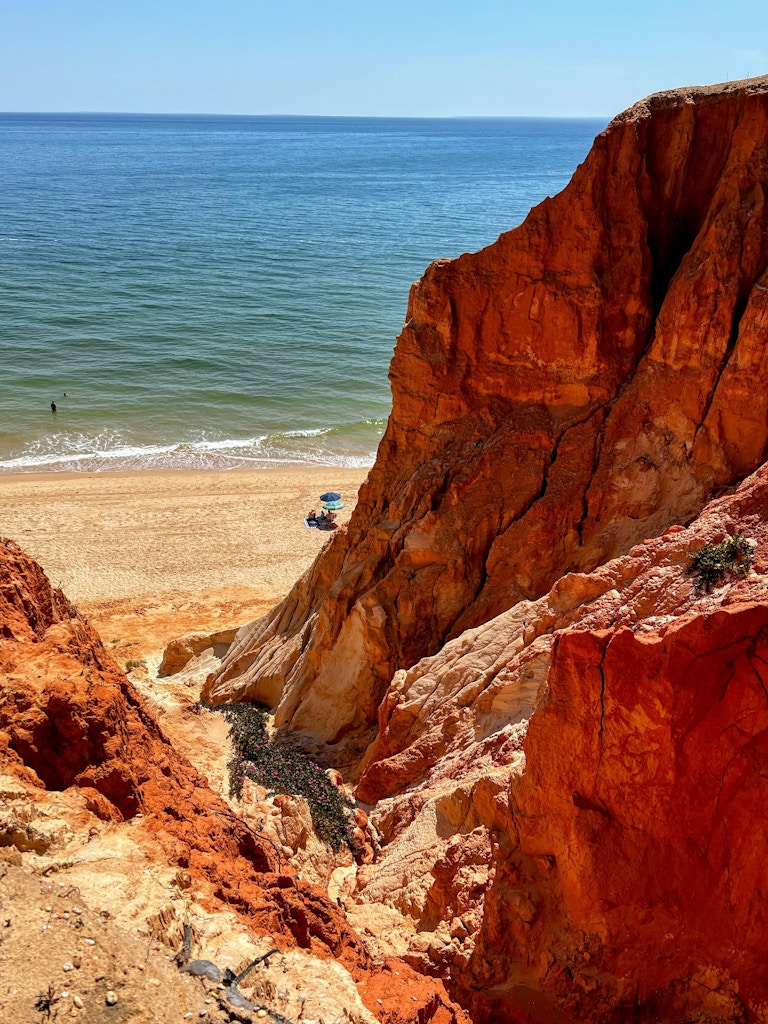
[[391, 57]]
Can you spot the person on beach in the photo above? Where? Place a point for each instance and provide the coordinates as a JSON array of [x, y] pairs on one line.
[[53, 407], [312, 516]]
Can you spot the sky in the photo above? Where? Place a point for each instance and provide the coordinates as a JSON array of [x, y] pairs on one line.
[[417, 58]]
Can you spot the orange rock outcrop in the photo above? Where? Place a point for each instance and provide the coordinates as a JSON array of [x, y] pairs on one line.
[[69, 718], [559, 396], [590, 767]]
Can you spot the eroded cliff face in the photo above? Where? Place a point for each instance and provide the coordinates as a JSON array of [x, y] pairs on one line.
[[569, 797], [557, 397], [95, 793]]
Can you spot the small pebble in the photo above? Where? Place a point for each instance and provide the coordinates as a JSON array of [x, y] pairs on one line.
[[111, 998], [67, 967], [202, 1013], [90, 942], [78, 1002], [155, 982], [74, 1013], [65, 915], [76, 961], [187, 1015], [261, 1013], [76, 910], [48, 910]]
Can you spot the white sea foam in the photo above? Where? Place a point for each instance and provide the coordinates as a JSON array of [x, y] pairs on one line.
[[222, 445], [108, 451], [52, 458], [316, 432]]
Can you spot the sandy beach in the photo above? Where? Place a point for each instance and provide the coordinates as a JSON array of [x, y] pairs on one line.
[[151, 555]]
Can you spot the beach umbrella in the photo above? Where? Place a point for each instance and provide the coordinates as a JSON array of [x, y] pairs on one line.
[[330, 496], [333, 506]]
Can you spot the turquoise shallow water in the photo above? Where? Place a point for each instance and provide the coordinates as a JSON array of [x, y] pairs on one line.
[[215, 292]]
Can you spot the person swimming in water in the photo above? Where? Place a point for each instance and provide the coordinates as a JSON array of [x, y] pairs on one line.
[[53, 407]]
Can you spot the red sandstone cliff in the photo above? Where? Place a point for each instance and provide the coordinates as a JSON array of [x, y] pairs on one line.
[[605, 861], [595, 375], [567, 766]]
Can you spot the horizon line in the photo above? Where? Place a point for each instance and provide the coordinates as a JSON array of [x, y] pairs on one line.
[[371, 117]]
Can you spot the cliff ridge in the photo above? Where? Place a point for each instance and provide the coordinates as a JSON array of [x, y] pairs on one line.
[[559, 396]]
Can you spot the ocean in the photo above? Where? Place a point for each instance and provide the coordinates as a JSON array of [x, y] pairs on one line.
[[221, 292]]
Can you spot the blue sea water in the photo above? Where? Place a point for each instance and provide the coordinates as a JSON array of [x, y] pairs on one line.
[[215, 292]]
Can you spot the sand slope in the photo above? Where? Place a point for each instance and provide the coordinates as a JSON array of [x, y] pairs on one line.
[[152, 555]]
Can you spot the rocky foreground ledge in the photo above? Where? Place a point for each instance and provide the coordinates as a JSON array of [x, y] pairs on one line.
[[99, 809]]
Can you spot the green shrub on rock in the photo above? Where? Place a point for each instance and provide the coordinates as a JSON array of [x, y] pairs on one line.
[[709, 566], [278, 767]]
